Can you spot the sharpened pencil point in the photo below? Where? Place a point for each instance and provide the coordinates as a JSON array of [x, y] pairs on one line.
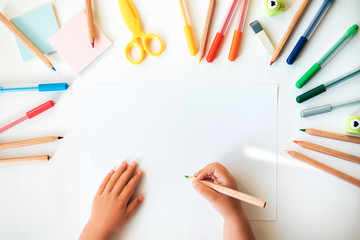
[[93, 45], [48, 157], [271, 63], [296, 142], [186, 176], [200, 60], [60, 138], [303, 130], [53, 69]]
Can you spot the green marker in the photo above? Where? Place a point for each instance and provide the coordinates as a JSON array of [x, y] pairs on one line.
[[323, 87], [327, 57]]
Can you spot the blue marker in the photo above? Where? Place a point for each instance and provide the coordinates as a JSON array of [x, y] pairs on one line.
[[41, 88], [309, 31]]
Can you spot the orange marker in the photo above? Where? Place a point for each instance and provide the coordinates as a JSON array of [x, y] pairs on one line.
[[238, 31]]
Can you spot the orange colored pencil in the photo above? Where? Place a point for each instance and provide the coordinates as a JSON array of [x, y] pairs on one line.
[[288, 31], [324, 168], [28, 142], [26, 41], [90, 22], [231, 192], [329, 151], [331, 135], [40, 158]]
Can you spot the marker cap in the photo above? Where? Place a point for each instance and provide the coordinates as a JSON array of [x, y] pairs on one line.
[[311, 93], [352, 30], [53, 87], [308, 75], [235, 45], [214, 47], [40, 109], [1, 89], [315, 111], [190, 40]]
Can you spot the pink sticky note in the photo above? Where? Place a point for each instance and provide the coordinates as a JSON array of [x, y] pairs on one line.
[[73, 44]]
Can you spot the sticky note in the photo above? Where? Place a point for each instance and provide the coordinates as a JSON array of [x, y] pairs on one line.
[[73, 44], [37, 25]]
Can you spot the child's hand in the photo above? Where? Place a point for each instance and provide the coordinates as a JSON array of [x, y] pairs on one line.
[[112, 206], [217, 173]]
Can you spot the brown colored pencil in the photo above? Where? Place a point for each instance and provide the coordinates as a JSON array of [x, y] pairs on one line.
[[26, 41], [40, 158], [289, 30], [329, 151], [331, 135], [324, 168], [231, 193], [206, 28], [90, 22], [28, 142]]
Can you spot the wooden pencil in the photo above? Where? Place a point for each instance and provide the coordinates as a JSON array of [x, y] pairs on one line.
[[205, 34], [324, 167], [231, 192], [26, 41], [28, 142], [288, 31], [331, 135], [90, 22], [329, 151], [39, 158]]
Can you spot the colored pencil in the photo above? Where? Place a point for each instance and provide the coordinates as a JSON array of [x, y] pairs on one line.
[[26, 41], [288, 31], [231, 192], [40, 158], [331, 135], [324, 167], [328, 151], [90, 22], [206, 28], [28, 142]]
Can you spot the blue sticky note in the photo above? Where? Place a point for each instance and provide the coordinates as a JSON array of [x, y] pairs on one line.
[[38, 26]]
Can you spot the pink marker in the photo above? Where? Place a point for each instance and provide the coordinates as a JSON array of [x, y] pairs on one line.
[[220, 34], [29, 115]]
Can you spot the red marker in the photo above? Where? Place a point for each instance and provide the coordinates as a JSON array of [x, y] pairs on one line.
[[29, 115], [220, 34]]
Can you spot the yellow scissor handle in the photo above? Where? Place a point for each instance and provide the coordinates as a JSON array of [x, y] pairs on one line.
[[135, 42], [146, 40]]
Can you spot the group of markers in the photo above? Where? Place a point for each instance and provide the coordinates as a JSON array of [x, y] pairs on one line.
[[41, 88]]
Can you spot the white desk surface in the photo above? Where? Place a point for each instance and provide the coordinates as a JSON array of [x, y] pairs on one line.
[[50, 200]]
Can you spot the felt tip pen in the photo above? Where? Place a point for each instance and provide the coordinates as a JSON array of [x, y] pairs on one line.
[[238, 30], [309, 31], [29, 115], [328, 56], [41, 88], [328, 108], [221, 33], [188, 29], [324, 87]]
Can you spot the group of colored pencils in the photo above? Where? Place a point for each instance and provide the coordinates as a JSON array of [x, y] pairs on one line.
[[220, 34], [328, 151], [34, 49]]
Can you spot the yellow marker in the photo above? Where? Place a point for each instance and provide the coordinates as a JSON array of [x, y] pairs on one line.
[[140, 39], [188, 30]]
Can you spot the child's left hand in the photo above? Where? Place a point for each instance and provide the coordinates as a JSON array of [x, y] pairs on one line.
[[112, 206]]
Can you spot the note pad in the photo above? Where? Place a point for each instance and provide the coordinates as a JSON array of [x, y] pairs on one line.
[[73, 44], [172, 131], [37, 26]]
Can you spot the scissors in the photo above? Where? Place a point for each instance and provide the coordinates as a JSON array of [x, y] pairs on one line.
[[140, 39]]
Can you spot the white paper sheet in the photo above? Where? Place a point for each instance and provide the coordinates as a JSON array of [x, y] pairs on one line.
[[172, 131]]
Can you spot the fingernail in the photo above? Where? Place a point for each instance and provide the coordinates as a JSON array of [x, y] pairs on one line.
[[139, 172], [133, 164], [123, 164], [111, 171], [141, 199]]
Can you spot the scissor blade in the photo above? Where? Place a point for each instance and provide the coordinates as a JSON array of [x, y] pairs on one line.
[[130, 16]]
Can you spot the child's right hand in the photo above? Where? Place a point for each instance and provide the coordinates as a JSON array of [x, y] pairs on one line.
[[215, 172]]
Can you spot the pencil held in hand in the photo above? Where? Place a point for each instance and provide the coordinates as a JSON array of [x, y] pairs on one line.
[[231, 192]]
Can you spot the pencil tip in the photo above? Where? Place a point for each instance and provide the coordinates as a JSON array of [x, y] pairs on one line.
[[92, 44], [60, 138], [200, 60], [271, 63], [296, 142], [303, 130], [186, 176], [48, 157], [53, 68]]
